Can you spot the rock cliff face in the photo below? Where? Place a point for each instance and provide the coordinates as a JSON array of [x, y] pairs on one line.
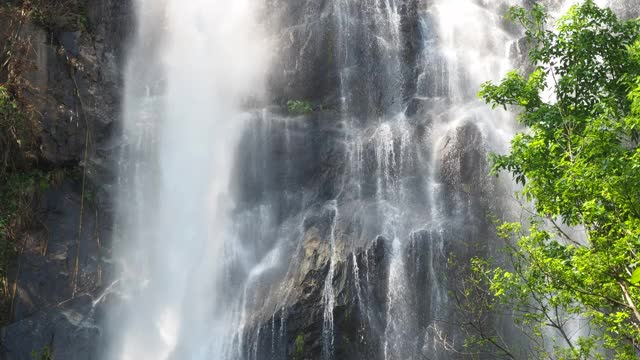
[[76, 87], [375, 189], [347, 191], [333, 182]]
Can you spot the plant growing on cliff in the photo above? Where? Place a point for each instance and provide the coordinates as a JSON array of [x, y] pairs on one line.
[[299, 107], [66, 15], [18, 191], [20, 182], [17, 134], [299, 348], [579, 166], [45, 354]]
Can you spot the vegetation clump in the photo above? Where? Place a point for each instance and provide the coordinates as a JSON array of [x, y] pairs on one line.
[[299, 107], [45, 354], [19, 185], [20, 177], [299, 348], [18, 134], [52, 15], [67, 15], [577, 260]]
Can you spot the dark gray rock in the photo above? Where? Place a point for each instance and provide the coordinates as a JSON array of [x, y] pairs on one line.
[[45, 275], [296, 330], [77, 82], [65, 331], [76, 91], [306, 68]]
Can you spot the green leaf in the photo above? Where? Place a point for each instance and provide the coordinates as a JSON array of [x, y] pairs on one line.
[[635, 278]]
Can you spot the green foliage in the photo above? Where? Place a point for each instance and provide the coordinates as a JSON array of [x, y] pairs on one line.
[[67, 15], [635, 277], [17, 193], [299, 107], [299, 348], [45, 354], [473, 301], [20, 179], [17, 134], [579, 165], [19, 184]]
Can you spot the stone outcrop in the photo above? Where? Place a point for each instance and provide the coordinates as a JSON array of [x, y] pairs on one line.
[[76, 92]]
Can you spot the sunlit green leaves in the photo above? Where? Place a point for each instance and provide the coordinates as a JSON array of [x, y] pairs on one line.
[[299, 107], [579, 165], [635, 278]]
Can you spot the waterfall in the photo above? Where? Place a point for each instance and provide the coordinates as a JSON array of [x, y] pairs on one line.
[[328, 294], [192, 67], [247, 230]]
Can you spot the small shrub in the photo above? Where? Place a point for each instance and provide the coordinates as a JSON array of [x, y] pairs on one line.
[[67, 15], [20, 179], [18, 191], [19, 186], [18, 135], [299, 107], [299, 347], [45, 354]]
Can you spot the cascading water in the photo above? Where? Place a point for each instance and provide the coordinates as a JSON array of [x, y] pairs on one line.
[[328, 296], [190, 71], [275, 234]]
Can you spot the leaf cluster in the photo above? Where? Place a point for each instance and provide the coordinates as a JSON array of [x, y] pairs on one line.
[[20, 181], [299, 107], [65, 15], [579, 165]]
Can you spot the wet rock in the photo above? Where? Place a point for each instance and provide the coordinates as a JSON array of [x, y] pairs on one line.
[[76, 86], [46, 272], [268, 173], [66, 331], [463, 160], [421, 108], [296, 330], [308, 47], [76, 91]]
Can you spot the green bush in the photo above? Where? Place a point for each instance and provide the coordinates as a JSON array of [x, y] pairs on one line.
[[578, 164], [299, 347], [45, 354], [299, 107], [19, 185], [18, 135], [18, 192], [68, 15]]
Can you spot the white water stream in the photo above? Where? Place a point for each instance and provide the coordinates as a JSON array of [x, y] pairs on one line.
[[192, 65]]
